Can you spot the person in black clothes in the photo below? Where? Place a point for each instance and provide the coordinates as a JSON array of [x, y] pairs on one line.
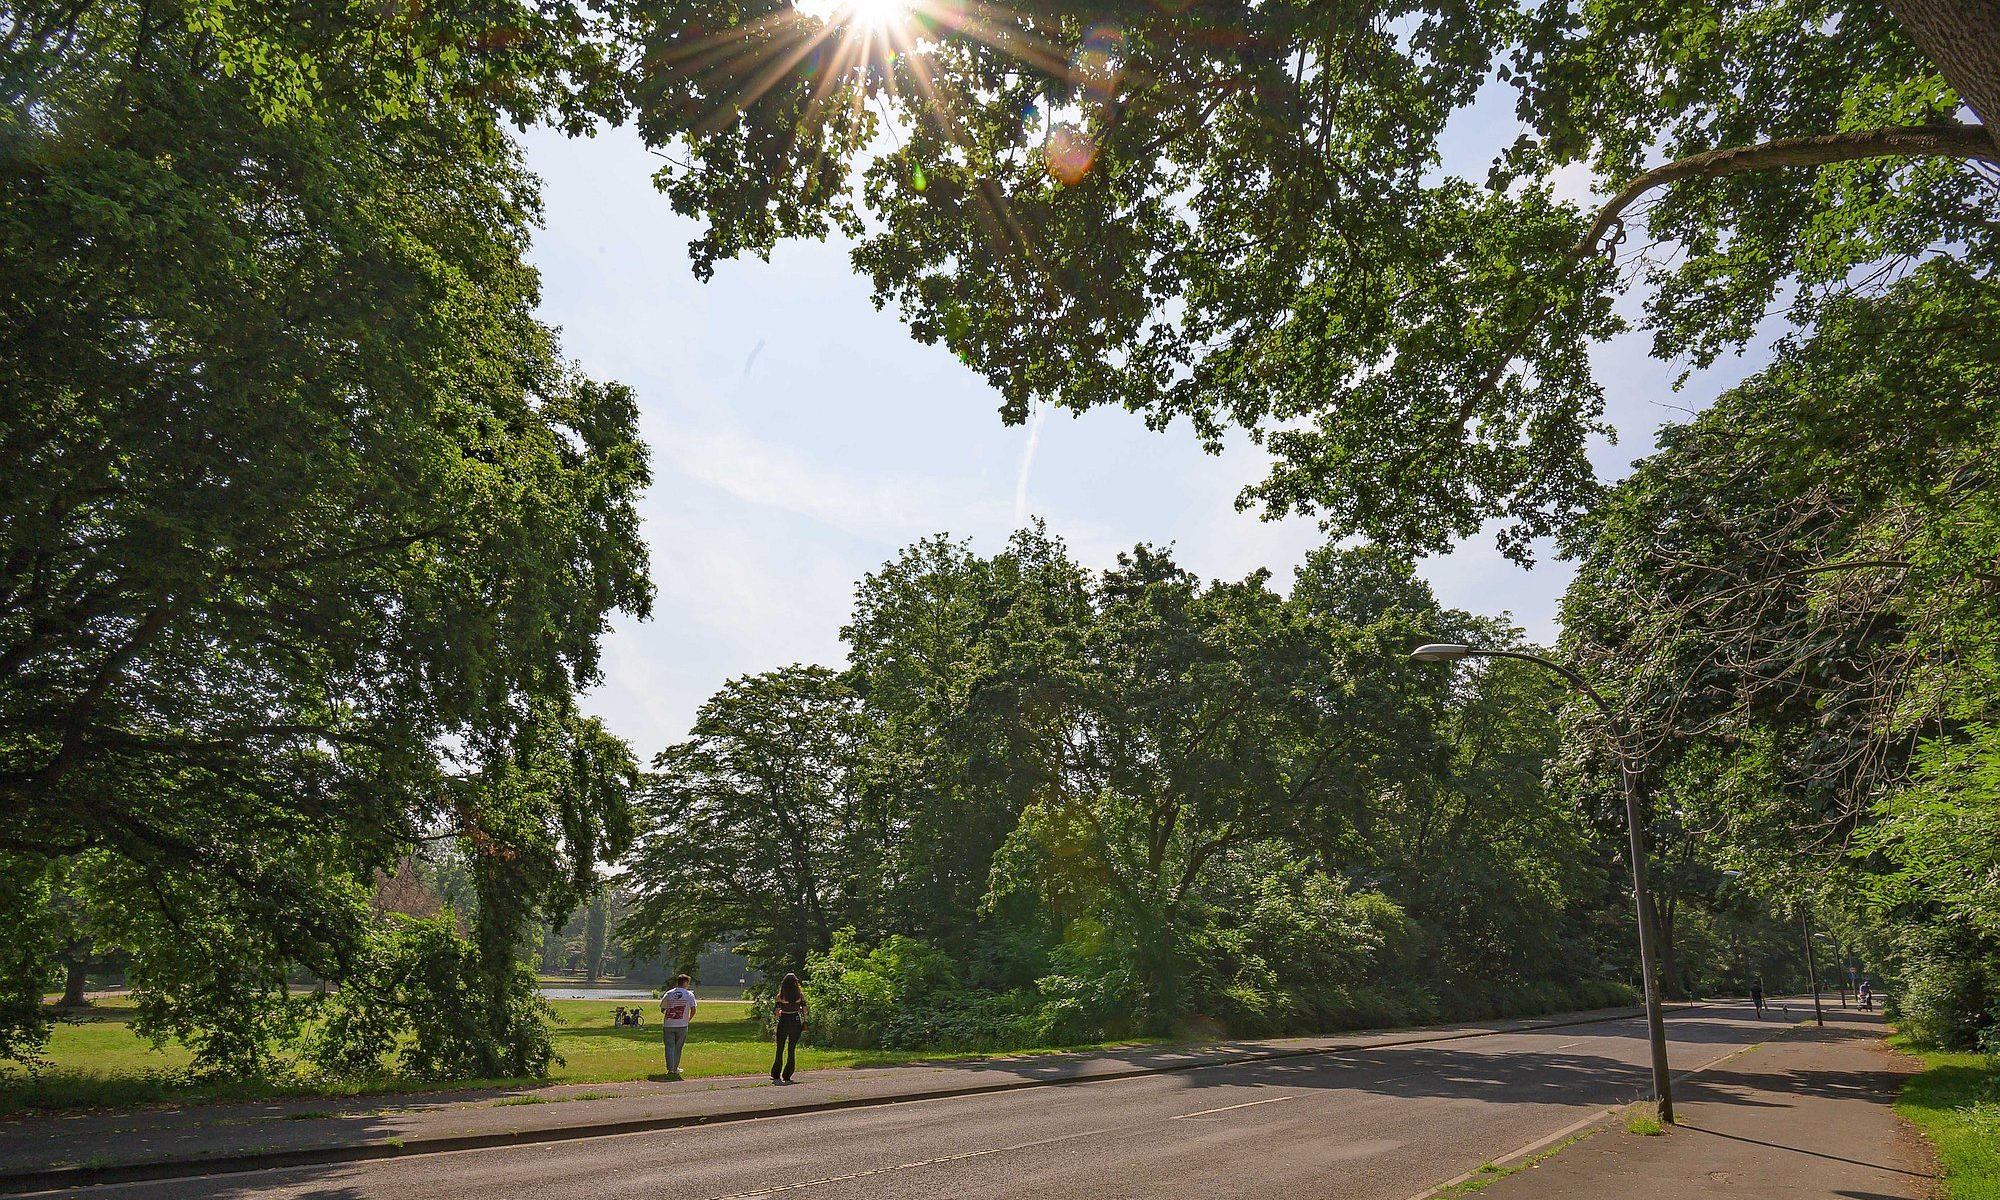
[[791, 1008], [1757, 997]]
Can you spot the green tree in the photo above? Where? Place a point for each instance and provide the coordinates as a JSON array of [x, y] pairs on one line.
[[1184, 730], [957, 659], [307, 531], [752, 831], [1792, 604], [593, 939]]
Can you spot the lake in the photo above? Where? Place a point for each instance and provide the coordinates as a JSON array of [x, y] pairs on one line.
[[559, 992]]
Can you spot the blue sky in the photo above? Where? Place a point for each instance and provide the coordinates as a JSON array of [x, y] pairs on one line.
[[800, 438]]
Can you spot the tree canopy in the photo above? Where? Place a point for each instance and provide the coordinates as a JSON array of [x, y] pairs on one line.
[[1793, 603], [1243, 215]]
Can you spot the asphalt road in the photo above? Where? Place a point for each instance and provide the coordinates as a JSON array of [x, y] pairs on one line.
[[1381, 1124]]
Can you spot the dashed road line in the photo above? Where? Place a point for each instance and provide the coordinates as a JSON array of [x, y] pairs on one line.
[[1231, 1107]]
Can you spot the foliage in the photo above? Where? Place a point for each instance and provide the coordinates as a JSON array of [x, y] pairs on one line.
[[307, 531], [1044, 805], [1949, 997], [423, 997], [1791, 605], [27, 958], [859, 991], [749, 824], [1244, 215]]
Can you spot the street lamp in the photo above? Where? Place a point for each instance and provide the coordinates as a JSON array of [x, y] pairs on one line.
[[1812, 968], [1642, 898]]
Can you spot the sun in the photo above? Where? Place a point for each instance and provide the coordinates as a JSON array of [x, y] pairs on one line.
[[864, 14]]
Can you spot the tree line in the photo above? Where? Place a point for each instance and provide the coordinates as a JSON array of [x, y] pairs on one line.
[[1046, 804]]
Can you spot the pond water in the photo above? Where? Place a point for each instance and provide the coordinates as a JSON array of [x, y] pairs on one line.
[[559, 992]]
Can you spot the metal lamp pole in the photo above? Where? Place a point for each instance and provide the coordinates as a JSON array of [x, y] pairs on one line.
[[1642, 896], [1812, 969]]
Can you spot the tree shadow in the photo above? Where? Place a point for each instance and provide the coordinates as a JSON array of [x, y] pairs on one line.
[[1853, 1162]]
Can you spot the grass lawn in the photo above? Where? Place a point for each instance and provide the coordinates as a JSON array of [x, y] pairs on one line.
[[101, 1063], [1955, 1101]]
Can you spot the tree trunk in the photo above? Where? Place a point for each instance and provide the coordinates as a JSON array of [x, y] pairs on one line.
[[593, 939], [1963, 38], [75, 963]]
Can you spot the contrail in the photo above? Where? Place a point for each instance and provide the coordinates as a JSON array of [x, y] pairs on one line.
[[1027, 465], [754, 352]]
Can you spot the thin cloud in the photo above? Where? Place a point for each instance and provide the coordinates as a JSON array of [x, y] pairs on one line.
[[892, 507], [1027, 465]]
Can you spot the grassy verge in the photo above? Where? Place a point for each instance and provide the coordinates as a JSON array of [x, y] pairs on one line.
[[1489, 1174], [1955, 1102], [102, 1063]]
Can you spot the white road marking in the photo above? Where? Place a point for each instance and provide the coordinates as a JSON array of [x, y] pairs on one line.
[[1230, 1107], [1567, 1045], [951, 1158], [928, 1162]]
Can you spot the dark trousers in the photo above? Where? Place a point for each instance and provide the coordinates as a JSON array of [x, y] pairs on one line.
[[786, 1060]]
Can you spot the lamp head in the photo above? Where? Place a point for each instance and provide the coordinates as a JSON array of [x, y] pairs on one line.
[[1439, 652]]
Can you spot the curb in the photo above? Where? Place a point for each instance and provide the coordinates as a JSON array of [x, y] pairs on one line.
[[59, 1178]]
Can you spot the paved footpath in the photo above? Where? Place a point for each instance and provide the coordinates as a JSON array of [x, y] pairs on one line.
[[61, 1150], [1809, 1115]]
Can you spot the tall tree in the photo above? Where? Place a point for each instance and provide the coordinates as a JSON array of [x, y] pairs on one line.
[[1791, 604], [956, 658], [307, 531], [751, 824]]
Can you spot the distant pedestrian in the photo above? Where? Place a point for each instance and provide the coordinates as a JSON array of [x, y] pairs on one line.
[[1757, 997], [676, 1010], [618, 1015], [1867, 995], [791, 1008]]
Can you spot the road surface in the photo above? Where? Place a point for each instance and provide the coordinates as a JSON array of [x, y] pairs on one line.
[[1377, 1124]]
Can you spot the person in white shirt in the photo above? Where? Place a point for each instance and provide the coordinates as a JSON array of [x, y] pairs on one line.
[[676, 1010]]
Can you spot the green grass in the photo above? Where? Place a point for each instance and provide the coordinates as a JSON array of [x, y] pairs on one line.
[[1644, 1125], [102, 1063], [1955, 1102]]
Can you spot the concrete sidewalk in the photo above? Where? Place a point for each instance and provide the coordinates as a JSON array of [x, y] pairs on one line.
[[65, 1150], [1807, 1114]]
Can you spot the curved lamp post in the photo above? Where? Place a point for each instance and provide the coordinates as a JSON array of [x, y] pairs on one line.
[[1643, 898]]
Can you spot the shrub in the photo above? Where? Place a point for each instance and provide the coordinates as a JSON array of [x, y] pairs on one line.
[[421, 996], [967, 1020], [859, 991], [1950, 993]]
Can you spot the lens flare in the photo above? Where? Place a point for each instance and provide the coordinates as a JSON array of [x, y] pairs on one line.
[[866, 14], [1069, 153], [1099, 61]]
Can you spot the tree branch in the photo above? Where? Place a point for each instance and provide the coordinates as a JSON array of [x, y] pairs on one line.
[[1910, 141], [1906, 141]]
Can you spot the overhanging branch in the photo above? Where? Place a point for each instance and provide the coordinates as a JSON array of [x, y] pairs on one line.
[[1904, 141]]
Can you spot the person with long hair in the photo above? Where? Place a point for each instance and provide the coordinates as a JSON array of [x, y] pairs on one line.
[[791, 1007]]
